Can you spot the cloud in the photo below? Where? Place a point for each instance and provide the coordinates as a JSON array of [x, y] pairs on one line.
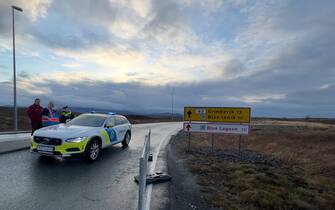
[[275, 56], [325, 86], [85, 92], [32, 9], [210, 5], [264, 98], [169, 26], [71, 65]]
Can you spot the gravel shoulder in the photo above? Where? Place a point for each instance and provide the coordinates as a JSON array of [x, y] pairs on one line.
[[184, 192]]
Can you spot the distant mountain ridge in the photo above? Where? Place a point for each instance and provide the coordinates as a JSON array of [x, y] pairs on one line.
[[122, 112]]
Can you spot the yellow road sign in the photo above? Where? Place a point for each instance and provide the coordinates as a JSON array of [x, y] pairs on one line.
[[217, 114]]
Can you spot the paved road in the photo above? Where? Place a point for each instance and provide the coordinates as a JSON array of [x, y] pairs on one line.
[[30, 182]]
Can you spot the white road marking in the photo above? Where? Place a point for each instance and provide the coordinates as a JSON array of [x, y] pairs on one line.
[[152, 170]]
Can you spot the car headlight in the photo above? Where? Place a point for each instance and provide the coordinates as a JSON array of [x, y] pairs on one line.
[[77, 139]]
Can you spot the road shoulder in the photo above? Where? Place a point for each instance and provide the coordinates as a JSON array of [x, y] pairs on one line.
[[158, 194], [184, 192], [13, 146]]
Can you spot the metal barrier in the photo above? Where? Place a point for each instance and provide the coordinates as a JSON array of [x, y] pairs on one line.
[[13, 132], [143, 172]]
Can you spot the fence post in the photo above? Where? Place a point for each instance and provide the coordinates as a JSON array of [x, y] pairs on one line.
[[149, 140]]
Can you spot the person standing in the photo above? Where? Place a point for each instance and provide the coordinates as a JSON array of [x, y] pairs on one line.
[[66, 115], [35, 114], [50, 115]]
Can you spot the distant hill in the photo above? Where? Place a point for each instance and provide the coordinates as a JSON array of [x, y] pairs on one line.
[[6, 117], [126, 112], [88, 109]]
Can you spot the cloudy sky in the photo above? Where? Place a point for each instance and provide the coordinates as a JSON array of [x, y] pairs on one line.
[[277, 57]]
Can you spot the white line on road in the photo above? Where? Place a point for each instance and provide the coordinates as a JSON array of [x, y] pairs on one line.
[[155, 157]]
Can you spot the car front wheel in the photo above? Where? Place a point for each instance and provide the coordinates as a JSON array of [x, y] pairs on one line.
[[93, 150]]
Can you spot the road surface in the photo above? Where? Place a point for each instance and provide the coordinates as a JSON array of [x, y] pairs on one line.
[[30, 182]]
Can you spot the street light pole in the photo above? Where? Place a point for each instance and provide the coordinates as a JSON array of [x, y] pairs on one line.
[[14, 66], [172, 103]]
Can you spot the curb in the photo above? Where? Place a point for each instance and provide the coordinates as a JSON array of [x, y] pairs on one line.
[[14, 150]]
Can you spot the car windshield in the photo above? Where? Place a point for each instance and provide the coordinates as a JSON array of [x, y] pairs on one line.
[[88, 120]]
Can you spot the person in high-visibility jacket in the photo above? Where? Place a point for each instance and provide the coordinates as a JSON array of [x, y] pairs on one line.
[[66, 115], [50, 115]]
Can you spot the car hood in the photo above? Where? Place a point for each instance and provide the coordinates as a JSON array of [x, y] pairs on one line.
[[64, 131]]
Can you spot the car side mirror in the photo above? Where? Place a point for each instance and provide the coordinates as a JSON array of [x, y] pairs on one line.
[[68, 120]]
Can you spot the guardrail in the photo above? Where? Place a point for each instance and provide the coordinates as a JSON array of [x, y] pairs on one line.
[[143, 172], [13, 132]]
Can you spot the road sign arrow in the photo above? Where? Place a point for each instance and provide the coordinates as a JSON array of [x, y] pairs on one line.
[[188, 127], [189, 113]]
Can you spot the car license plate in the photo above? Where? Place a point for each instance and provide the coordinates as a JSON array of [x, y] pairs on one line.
[[45, 149]]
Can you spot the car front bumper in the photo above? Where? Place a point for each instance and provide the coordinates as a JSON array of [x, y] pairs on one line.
[[66, 149], [57, 154]]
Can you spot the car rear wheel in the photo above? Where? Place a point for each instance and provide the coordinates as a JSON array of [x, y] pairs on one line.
[[126, 139], [93, 150]]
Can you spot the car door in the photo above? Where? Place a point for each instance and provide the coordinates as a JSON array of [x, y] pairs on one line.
[[110, 129], [126, 125], [118, 128], [121, 127]]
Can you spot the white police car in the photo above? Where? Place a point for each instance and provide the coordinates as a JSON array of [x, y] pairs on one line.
[[85, 135]]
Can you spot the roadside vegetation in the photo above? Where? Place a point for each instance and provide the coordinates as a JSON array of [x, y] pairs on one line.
[[284, 165]]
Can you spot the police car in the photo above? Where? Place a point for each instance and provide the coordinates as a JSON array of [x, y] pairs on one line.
[[84, 135]]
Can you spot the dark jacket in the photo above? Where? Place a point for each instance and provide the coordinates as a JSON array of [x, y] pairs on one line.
[[35, 113]]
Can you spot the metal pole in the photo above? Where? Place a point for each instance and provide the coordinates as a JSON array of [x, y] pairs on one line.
[[149, 140], [150, 157], [14, 65], [239, 145], [172, 103], [189, 141], [14, 73], [212, 142]]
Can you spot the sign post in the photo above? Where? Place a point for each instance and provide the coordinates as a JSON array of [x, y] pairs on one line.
[[188, 128], [212, 142], [239, 145], [189, 142], [224, 120]]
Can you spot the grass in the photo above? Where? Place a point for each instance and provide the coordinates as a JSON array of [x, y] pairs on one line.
[[304, 180]]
